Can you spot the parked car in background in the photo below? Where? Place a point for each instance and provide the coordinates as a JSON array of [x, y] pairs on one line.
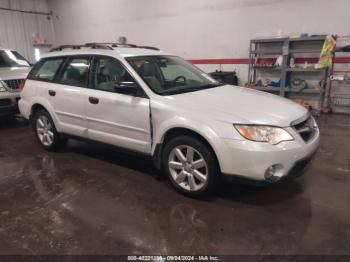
[[14, 69], [195, 128]]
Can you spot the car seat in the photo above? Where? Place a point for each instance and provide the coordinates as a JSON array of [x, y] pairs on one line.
[[148, 72], [72, 77], [109, 77]]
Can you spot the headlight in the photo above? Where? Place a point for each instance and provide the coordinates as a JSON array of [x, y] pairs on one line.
[[2, 87], [267, 134]]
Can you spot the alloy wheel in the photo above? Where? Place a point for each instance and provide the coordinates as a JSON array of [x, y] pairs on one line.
[[188, 168], [44, 130]]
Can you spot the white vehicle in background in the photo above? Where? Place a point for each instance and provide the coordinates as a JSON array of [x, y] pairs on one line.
[[14, 69], [195, 128]]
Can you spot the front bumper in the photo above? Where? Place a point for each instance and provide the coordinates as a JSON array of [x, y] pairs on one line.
[[247, 161], [9, 103], [296, 171]]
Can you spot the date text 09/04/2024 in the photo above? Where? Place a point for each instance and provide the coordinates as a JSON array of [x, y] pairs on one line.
[[173, 258]]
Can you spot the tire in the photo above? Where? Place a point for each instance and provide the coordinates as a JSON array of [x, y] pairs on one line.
[[190, 166], [46, 133]]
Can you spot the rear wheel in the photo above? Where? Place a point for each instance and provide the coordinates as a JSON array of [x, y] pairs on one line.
[[191, 166], [46, 132]]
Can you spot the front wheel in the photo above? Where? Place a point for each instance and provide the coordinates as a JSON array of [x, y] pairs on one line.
[[46, 132], [191, 166]]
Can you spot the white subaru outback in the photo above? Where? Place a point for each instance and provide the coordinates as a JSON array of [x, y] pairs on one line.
[[195, 128]]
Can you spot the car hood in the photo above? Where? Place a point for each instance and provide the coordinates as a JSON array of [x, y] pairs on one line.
[[240, 105], [9, 73]]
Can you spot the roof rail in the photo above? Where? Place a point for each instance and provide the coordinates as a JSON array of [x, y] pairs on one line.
[[98, 46], [106, 46], [149, 47], [111, 44], [61, 47], [126, 45], [89, 45]]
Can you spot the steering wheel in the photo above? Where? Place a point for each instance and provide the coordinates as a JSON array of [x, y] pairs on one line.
[[178, 78]]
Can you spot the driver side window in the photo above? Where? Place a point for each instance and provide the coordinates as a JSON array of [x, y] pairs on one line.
[[109, 73]]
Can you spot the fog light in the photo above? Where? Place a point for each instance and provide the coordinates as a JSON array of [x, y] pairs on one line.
[[271, 174]]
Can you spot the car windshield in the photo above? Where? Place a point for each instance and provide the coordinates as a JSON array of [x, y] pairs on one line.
[[10, 58], [168, 75]]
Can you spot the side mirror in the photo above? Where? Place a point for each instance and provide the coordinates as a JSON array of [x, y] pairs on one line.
[[127, 88]]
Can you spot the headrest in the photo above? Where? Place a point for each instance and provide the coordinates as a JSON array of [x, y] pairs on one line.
[[73, 73], [105, 71], [111, 69], [147, 69]]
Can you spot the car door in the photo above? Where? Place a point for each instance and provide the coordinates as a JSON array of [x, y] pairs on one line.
[[70, 95], [42, 79], [114, 118]]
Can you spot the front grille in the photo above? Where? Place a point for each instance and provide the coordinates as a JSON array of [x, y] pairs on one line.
[[5, 102], [13, 84], [306, 128]]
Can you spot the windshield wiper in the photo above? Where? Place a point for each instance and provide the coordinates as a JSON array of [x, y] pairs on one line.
[[210, 86], [192, 89], [181, 91]]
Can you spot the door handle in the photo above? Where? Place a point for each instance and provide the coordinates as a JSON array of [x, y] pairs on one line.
[[93, 100], [52, 93]]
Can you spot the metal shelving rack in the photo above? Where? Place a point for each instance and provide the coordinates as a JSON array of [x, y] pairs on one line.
[[301, 49], [338, 97]]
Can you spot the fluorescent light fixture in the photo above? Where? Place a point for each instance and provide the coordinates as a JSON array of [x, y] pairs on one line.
[[37, 54]]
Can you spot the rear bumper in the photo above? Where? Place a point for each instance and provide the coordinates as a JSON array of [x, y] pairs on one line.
[[9, 104], [9, 110]]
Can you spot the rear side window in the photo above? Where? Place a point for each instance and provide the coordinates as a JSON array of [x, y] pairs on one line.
[[47, 69], [76, 72]]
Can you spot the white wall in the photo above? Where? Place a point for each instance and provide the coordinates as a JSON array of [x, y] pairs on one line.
[[196, 28], [17, 30]]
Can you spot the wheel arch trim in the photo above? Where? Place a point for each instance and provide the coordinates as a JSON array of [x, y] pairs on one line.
[[209, 136], [45, 105]]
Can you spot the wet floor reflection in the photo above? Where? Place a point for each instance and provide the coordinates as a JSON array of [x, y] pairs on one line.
[[91, 199], [60, 212]]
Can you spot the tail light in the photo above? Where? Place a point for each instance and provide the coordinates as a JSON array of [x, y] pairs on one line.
[[22, 84]]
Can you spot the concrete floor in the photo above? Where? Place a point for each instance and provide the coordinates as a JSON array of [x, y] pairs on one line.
[[95, 200]]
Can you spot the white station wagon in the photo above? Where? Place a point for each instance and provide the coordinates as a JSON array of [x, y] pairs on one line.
[[142, 99]]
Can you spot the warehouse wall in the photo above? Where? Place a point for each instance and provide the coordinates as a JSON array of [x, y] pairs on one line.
[[196, 28], [18, 30]]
